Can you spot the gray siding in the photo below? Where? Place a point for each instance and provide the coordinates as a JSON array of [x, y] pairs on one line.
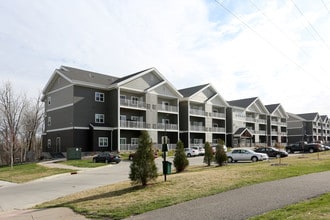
[[61, 118], [184, 114], [85, 106]]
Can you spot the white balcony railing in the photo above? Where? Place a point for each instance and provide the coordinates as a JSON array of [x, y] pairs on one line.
[[168, 108], [133, 104], [250, 119], [197, 112], [218, 129], [162, 126], [218, 115], [197, 128], [132, 124]]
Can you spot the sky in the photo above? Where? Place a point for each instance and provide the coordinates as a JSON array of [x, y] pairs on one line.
[[277, 50]]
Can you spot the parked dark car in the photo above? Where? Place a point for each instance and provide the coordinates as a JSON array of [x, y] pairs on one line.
[[271, 152], [131, 155], [106, 157], [303, 147]]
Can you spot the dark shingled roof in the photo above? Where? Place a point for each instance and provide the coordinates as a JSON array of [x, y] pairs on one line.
[[271, 108], [129, 76], [243, 103], [86, 76], [187, 92], [308, 116]]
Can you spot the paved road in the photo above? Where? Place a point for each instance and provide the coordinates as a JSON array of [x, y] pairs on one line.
[[27, 195]]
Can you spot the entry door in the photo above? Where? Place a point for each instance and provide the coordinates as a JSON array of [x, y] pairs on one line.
[[58, 144]]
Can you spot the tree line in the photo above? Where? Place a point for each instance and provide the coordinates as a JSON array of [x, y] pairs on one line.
[[20, 126]]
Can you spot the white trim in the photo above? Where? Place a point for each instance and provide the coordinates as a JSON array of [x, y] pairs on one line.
[[60, 107], [59, 89], [67, 128]]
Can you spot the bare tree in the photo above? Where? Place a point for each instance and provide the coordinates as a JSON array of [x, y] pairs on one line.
[[31, 122], [11, 109]]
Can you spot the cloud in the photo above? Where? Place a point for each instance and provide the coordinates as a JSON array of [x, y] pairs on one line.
[[246, 49]]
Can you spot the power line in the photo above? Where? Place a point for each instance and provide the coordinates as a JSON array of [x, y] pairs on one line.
[[309, 23], [259, 35], [283, 33]]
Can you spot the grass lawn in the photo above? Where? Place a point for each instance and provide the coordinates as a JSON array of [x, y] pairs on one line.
[[27, 172], [318, 208], [122, 200]]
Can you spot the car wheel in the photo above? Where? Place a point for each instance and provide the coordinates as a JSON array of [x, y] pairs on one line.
[[311, 150], [254, 159], [289, 151], [188, 155], [230, 160], [278, 155]]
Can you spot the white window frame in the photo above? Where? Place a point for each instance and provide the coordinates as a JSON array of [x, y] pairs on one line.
[[99, 118], [165, 121], [49, 100], [123, 97], [134, 141], [99, 97], [135, 118], [49, 121], [134, 100], [123, 141], [103, 141], [49, 143]]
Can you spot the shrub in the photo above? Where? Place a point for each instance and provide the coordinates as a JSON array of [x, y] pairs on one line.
[[143, 167], [220, 154], [208, 157], [180, 159]]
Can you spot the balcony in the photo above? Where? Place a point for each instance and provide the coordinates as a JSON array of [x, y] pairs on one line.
[[218, 115], [197, 112], [132, 124], [250, 119], [218, 129], [197, 128], [132, 103], [167, 108], [162, 126]]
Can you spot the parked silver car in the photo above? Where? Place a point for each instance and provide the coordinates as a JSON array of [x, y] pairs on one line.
[[242, 154]]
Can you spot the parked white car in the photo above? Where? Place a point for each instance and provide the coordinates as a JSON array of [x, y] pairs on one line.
[[242, 154], [191, 152]]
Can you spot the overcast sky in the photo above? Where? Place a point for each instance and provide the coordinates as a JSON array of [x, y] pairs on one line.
[[277, 50]]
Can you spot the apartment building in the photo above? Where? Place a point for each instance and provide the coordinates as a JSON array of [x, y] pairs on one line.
[[325, 128], [276, 124], [306, 127], [97, 112], [202, 116], [247, 123]]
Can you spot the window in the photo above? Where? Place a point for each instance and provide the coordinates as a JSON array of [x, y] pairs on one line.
[[165, 121], [49, 143], [49, 121], [49, 100], [122, 141], [134, 100], [123, 97], [122, 117], [99, 118], [134, 141], [135, 118], [99, 97], [103, 142]]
